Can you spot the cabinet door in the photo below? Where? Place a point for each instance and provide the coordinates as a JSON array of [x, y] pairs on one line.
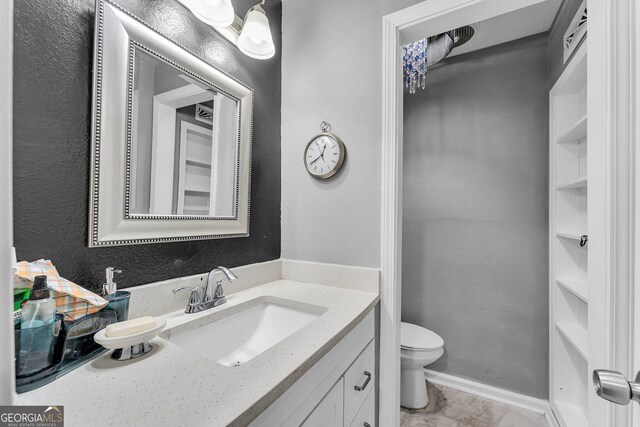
[[330, 410], [358, 382], [366, 416]]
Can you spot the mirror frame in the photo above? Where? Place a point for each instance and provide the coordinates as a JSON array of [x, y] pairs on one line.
[[117, 35]]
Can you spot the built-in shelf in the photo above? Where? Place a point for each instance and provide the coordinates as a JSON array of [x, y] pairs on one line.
[[569, 261], [572, 236], [576, 336], [576, 287], [573, 184], [200, 163], [572, 415], [196, 160], [197, 208], [576, 132], [194, 192]]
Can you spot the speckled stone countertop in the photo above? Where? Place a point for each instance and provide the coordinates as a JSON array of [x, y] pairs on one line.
[[173, 387]]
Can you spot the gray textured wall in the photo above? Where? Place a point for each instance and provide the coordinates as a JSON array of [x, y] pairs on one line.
[[565, 14], [331, 66], [475, 255], [52, 103]]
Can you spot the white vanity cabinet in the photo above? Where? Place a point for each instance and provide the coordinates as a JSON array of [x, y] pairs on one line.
[[338, 391], [351, 401]]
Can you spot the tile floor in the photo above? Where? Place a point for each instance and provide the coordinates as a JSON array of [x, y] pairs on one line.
[[449, 407]]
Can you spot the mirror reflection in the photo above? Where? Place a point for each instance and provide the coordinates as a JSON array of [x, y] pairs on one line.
[[184, 143]]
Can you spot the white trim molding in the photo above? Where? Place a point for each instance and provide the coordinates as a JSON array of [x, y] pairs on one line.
[[391, 238], [533, 404], [635, 129], [7, 375], [612, 45]]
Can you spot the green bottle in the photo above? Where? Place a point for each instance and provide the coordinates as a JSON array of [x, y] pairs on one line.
[[20, 295]]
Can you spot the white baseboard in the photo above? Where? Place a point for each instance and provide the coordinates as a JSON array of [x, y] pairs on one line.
[[500, 395]]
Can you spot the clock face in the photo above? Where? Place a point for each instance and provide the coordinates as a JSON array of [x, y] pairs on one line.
[[324, 155]]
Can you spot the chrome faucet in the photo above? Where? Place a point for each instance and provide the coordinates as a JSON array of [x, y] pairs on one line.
[[197, 303], [218, 294]]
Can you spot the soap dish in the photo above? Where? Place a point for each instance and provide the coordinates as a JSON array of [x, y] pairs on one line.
[[130, 346]]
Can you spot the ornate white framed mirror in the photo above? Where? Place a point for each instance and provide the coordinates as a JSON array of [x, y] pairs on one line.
[[171, 140]]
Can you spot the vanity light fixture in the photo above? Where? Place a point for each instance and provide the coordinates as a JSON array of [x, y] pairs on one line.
[[255, 39], [217, 13], [252, 36]]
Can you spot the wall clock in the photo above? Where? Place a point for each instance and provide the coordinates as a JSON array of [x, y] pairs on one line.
[[324, 154]]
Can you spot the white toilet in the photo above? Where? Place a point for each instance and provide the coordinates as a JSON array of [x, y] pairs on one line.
[[418, 347]]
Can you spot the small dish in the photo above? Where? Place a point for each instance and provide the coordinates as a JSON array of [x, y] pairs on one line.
[[130, 346]]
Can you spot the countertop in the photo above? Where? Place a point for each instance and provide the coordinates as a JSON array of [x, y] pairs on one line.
[[171, 386]]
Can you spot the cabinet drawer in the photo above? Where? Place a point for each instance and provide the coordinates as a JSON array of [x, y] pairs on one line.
[[366, 416], [358, 382]]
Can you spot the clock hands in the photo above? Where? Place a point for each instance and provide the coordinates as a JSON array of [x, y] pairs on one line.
[[317, 158], [321, 156]]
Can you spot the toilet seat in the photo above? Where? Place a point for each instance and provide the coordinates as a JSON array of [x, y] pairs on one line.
[[417, 338]]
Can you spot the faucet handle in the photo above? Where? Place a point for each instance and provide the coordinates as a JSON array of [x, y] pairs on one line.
[[194, 298], [219, 292]]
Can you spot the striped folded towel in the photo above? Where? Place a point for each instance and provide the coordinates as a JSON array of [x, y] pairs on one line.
[[73, 301]]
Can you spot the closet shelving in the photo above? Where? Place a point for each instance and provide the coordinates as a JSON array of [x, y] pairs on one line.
[[194, 183], [574, 183], [568, 285]]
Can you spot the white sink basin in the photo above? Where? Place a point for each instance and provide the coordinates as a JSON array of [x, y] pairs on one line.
[[238, 338]]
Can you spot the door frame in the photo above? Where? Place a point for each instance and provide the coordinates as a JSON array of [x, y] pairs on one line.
[[163, 141], [635, 133], [605, 32], [612, 103], [7, 375]]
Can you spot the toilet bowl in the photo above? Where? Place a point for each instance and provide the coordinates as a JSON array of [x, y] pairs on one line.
[[418, 347]]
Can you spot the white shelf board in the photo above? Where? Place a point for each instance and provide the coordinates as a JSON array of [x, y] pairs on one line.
[[576, 287], [572, 236], [200, 163], [197, 208], [576, 132], [576, 336], [573, 184], [572, 415], [195, 192]]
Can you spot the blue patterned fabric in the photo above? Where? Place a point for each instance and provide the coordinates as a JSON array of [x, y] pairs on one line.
[[414, 57]]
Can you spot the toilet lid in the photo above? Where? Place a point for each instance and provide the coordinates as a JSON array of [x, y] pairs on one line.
[[419, 338]]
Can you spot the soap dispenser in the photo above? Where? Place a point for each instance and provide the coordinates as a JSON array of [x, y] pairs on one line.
[[40, 309], [118, 300], [36, 338]]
